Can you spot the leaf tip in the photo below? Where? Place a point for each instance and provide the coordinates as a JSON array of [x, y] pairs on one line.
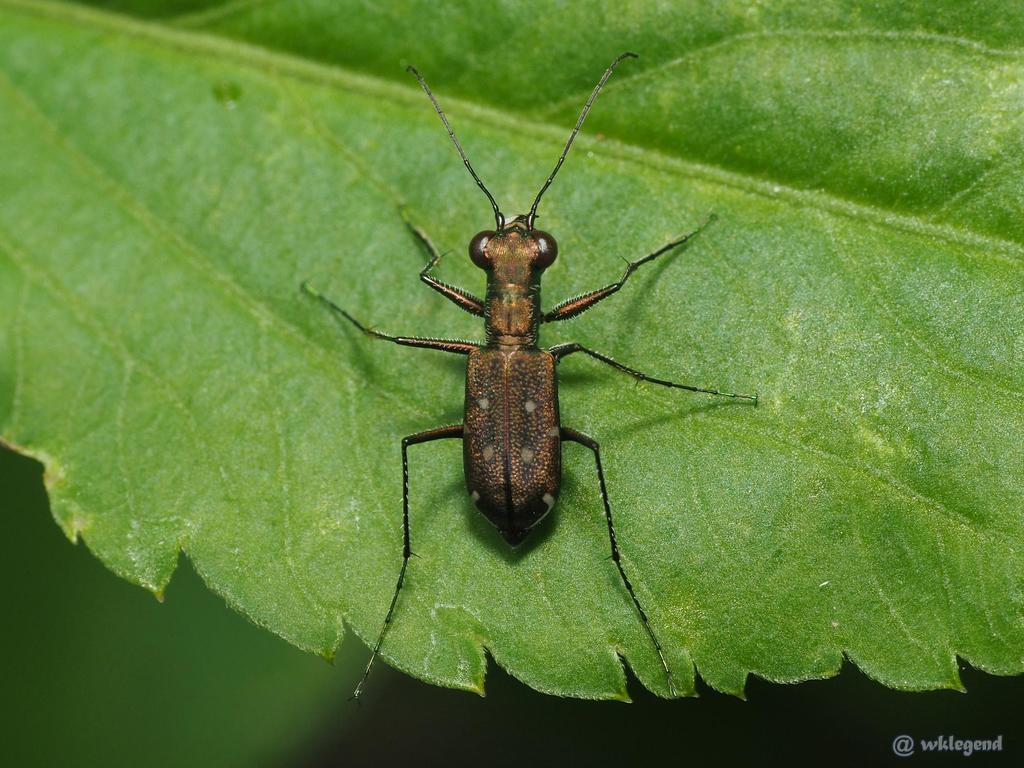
[[76, 524], [955, 683]]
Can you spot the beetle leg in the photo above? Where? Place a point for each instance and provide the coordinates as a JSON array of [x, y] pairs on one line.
[[441, 433], [589, 442], [580, 304], [445, 345], [462, 299], [561, 350]]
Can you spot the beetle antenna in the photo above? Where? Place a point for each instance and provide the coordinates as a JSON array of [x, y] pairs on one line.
[[499, 219], [572, 136]]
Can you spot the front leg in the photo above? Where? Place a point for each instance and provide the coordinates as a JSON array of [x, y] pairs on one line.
[[445, 345], [462, 299], [580, 304]]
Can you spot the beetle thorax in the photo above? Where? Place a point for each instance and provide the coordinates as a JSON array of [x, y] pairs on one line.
[[513, 291]]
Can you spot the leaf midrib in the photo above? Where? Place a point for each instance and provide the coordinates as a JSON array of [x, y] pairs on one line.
[[268, 318], [275, 64]]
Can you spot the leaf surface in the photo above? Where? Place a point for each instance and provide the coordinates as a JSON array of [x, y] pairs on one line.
[[166, 189]]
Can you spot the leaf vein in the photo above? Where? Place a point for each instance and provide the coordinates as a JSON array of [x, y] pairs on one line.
[[907, 492], [178, 244], [276, 65], [85, 316], [888, 602], [915, 37], [931, 353]]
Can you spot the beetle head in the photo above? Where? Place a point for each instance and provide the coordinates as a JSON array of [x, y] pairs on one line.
[[515, 241]]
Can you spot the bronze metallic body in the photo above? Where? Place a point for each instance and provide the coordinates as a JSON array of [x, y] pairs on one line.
[[512, 437], [512, 446]]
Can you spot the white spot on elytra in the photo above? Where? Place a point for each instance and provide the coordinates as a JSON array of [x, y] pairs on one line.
[[549, 500], [484, 403], [553, 432], [474, 496], [488, 453], [527, 455], [530, 406]]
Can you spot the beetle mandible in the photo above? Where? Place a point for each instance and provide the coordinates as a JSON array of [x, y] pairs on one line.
[[512, 436]]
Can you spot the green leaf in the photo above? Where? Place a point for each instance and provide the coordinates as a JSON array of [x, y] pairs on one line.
[[166, 190]]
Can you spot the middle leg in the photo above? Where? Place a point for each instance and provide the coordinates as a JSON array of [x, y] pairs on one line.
[[561, 350], [445, 345]]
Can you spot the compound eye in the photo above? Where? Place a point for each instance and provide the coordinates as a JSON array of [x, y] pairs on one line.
[[547, 249], [478, 248]]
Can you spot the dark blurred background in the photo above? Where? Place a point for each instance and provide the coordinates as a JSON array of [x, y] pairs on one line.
[[96, 672]]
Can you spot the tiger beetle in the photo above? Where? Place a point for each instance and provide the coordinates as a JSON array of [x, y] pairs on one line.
[[511, 436]]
